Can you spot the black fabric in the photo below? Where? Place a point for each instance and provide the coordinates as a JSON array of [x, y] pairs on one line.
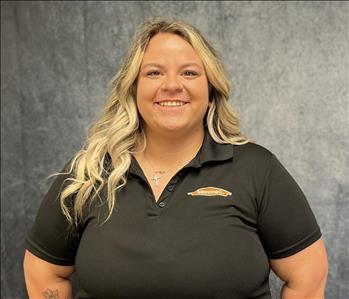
[[186, 245]]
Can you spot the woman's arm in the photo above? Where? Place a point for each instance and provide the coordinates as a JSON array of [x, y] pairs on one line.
[[304, 273], [46, 280]]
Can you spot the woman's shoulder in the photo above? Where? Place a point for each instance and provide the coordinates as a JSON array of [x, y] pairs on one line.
[[252, 150], [253, 158]]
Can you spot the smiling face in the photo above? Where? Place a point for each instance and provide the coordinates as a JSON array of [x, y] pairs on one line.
[[172, 87]]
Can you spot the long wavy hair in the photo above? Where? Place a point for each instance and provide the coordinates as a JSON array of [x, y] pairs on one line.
[[118, 130]]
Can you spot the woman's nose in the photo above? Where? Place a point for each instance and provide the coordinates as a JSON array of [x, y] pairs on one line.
[[171, 83]]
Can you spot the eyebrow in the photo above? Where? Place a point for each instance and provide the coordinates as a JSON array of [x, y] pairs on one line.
[[160, 66]]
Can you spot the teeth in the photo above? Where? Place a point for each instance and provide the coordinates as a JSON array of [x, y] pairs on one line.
[[171, 103]]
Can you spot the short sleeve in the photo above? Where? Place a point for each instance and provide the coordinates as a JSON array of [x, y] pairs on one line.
[[50, 237], [286, 223]]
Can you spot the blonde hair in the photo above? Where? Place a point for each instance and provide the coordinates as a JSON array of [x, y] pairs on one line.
[[118, 129]]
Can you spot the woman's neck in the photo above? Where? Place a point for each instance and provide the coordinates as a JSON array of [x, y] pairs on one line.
[[172, 149]]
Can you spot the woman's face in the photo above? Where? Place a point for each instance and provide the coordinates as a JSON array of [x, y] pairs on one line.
[[172, 87]]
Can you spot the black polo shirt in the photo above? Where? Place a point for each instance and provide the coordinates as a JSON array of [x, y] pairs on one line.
[[210, 235]]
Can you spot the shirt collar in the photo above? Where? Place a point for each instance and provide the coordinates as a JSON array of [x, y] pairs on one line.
[[210, 151]]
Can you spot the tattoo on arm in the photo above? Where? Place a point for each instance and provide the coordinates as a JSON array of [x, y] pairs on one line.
[[50, 294]]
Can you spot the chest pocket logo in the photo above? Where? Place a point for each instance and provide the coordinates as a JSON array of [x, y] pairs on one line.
[[210, 191]]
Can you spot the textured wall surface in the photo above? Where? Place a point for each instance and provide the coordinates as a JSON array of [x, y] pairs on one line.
[[287, 61]]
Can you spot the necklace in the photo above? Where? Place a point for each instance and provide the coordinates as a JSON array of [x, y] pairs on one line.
[[158, 174]]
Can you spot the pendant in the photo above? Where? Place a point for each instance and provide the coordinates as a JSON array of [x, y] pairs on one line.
[[156, 179]]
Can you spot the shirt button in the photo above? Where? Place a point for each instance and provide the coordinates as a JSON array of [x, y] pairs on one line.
[[170, 188], [162, 204]]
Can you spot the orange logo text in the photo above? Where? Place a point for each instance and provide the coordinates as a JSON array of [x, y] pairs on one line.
[[210, 191]]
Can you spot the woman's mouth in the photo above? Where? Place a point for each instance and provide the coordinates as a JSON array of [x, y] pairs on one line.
[[170, 104]]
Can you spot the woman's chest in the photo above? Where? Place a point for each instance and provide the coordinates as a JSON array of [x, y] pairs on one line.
[[201, 243], [173, 259]]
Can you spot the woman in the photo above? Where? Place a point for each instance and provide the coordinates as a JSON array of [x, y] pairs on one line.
[[168, 199]]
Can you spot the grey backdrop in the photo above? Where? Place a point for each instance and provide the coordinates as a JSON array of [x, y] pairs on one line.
[[287, 61]]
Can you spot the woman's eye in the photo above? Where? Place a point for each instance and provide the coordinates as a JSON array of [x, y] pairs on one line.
[[153, 73], [157, 73], [190, 73]]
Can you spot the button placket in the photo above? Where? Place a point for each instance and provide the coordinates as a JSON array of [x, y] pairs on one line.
[[170, 188]]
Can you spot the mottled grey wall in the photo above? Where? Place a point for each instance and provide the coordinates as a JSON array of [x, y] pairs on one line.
[[288, 63]]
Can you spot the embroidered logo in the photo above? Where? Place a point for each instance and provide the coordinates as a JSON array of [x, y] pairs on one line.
[[210, 191]]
